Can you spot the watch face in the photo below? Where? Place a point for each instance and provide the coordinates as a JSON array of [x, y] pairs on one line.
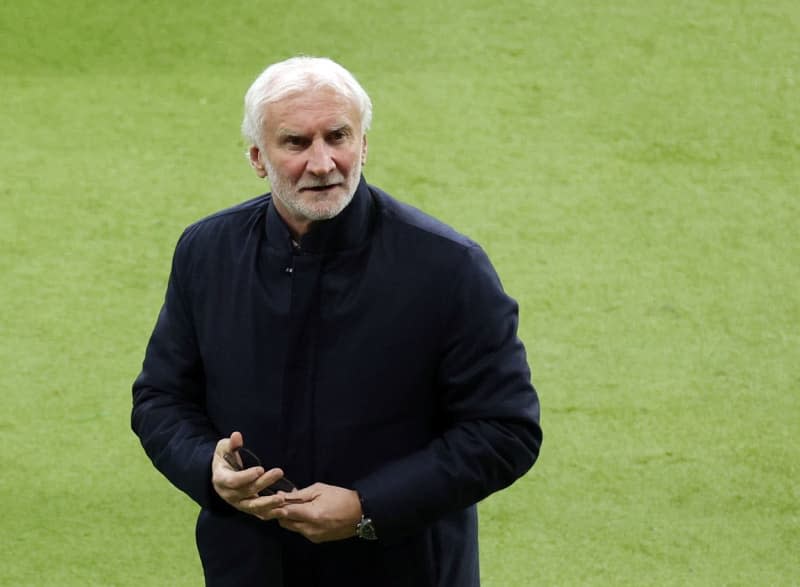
[[366, 529]]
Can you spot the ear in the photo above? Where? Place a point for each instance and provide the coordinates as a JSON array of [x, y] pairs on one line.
[[364, 150], [257, 163]]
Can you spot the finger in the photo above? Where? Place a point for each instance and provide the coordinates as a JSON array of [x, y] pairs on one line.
[[230, 444], [267, 478], [236, 441], [297, 512], [233, 460], [263, 507], [229, 450], [243, 481], [261, 502], [224, 453], [292, 498], [306, 494], [222, 446], [299, 497]]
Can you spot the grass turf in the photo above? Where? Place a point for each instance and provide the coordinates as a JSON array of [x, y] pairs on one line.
[[631, 169]]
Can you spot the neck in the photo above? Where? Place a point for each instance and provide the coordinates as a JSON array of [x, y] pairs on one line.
[[297, 225]]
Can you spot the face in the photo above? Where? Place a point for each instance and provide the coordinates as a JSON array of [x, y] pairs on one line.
[[312, 152]]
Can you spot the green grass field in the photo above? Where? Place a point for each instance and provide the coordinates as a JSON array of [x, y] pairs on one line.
[[631, 167]]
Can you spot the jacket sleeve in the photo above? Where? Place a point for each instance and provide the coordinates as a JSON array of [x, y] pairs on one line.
[[168, 396], [491, 434]]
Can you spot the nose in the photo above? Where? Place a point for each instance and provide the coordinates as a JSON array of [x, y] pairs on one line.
[[320, 161]]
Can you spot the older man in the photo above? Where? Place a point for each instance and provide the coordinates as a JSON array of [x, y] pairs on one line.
[[349, 343]]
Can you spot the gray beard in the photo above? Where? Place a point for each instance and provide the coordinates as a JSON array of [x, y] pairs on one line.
[[313, 211]]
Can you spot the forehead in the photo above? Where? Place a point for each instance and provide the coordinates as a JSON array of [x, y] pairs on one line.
[[311, 111]]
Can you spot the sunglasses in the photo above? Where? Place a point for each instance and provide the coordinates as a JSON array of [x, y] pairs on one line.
[[244, 459]]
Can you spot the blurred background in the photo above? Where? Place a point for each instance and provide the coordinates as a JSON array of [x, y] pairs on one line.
[[631, 168]]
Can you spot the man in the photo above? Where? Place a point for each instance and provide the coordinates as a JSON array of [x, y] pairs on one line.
[[350, 343]]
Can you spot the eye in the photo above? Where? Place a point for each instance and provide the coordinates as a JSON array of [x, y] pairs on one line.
[[295, 141], [339, 135]]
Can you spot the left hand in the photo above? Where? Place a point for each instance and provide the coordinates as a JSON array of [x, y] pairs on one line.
[[240, 488], [320, 512]]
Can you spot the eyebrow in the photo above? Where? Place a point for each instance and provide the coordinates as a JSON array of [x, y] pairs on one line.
[[288, 132], [345, 128]]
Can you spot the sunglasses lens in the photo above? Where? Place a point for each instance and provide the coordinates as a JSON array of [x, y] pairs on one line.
[[248, 458]]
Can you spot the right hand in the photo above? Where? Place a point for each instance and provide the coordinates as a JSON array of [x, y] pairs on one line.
[[240, 488]]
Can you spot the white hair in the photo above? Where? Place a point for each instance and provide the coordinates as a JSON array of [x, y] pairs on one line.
[[299, 74]]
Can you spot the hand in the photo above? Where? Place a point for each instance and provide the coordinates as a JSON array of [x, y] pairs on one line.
[[320, 512], [240, 488]]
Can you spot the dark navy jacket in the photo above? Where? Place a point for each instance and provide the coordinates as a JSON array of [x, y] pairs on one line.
[[381, 356]]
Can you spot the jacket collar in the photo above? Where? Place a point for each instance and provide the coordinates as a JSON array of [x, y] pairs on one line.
[[345, 231]]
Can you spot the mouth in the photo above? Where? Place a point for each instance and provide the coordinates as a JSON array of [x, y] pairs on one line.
[[320, 188]]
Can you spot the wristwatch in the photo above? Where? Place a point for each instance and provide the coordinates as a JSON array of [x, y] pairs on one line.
[[365, 529]]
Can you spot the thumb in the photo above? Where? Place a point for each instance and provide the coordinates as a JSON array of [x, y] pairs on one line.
[[305, 494], [236, 441]]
